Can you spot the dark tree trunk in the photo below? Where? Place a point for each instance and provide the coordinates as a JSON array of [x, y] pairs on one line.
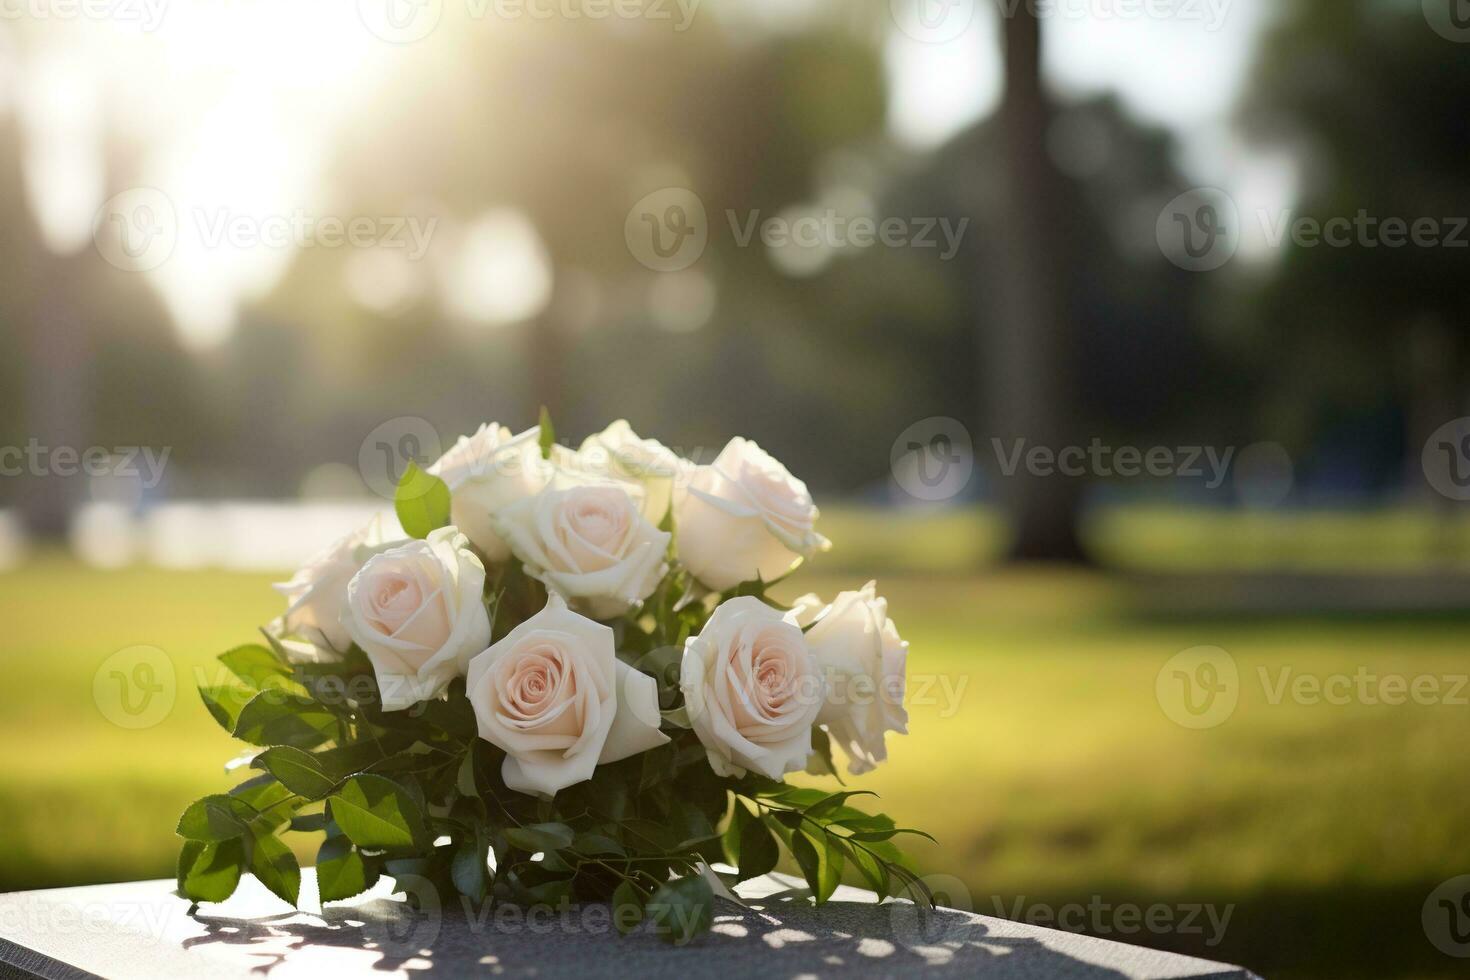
[[1030, 380]]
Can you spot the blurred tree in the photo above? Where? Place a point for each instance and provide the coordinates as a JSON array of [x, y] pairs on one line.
[[1375, 107], [1029, 373]]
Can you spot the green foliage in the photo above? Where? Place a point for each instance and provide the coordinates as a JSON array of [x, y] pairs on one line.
[[421, 502], [384, 786]]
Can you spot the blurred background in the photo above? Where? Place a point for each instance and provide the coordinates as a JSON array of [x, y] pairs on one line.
[[1124, 341]]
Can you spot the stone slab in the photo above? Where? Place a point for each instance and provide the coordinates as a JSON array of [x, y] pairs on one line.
[[143, 931]]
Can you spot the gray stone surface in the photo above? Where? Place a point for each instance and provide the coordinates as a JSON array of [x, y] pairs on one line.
[[143, 930]]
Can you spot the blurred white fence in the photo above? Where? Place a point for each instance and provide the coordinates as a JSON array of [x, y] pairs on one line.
[[246, 535]]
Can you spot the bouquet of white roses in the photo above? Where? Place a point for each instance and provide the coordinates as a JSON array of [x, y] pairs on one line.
[[567, 682]]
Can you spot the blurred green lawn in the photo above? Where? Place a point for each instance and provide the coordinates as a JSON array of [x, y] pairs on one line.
[[1052, 777]]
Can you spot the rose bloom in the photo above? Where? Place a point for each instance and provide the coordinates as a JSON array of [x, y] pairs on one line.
[[486, 472], [417, 610], [863, 661], [744, 517], [589, 544], [556, 698], [317, 594], [752, 689], [620, 453]]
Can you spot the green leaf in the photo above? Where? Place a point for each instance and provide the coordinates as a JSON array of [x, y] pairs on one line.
[[548, 433], [216, 818], [298, 771], [278, 718], [822, 750], [421, 502], [820, 863], [681, 909], [209, 872], [757, 852], [540, 837], [627, 906], [834, 801], [690, 825], [591, 845], [469, 869], [873, 836], [378, 813], [340, 870], [309, 823], [225, 702], [873, 870], [256, 665], [275, 866]]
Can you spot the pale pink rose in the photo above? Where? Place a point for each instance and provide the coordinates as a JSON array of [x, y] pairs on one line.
[[589, 544], [752, 690], [317, 594], [863, 661], [743, 517], [553, 694], [417, 610], [487, 472]]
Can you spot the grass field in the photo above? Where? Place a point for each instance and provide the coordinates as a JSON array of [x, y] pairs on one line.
[[1040, 757]]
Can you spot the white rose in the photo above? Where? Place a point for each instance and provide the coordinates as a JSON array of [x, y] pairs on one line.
[[863, 661], [417, 610], [744, 517], [556, 698], [588, 544], [486, 472], [317, 594], [621, 453], [752, 689]]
